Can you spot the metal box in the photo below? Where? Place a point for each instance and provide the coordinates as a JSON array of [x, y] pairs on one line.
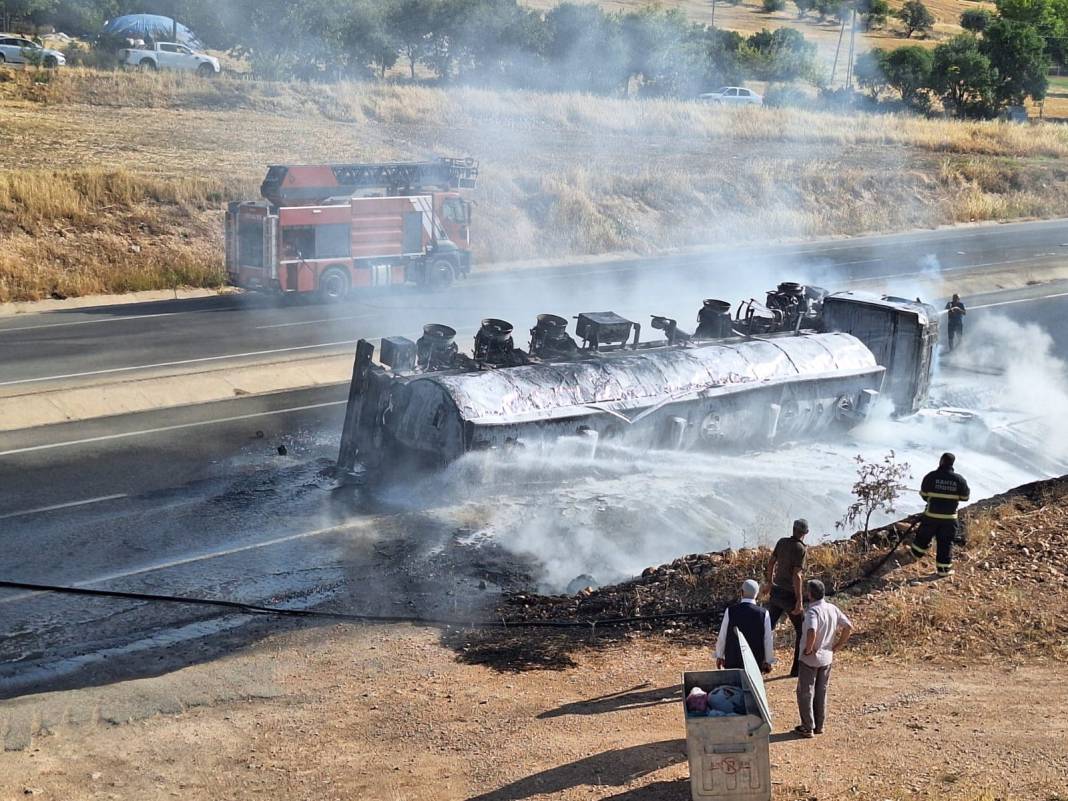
[[398, 353], [729, 759]]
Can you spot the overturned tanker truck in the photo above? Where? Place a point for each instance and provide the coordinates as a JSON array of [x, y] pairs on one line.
[[799, 363]]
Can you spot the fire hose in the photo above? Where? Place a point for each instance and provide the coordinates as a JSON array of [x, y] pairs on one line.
[[352, 617], [256, 609]]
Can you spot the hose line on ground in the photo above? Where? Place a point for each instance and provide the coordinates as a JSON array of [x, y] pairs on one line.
[[350, 617]]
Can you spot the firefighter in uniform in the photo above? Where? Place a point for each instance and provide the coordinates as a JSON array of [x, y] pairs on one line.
[[943, 489], [956, 311]]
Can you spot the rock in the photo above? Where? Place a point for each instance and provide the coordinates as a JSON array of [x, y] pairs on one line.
[[135, 248], [32, 791]]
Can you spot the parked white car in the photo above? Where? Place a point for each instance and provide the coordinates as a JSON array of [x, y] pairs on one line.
[[18, 50], [733, 96], [170, 56]]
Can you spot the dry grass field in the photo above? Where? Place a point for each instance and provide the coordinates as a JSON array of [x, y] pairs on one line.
[[116, 181]]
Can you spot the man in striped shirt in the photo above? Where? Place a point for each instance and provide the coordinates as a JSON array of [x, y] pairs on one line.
[[943, 489]]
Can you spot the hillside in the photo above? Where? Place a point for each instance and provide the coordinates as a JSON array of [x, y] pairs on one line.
[[561, 174], [748, 16]]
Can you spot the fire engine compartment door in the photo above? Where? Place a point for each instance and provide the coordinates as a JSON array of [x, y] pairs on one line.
[[413, 232]]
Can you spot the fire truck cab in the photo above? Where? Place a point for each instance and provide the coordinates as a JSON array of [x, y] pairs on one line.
[[334, 228]]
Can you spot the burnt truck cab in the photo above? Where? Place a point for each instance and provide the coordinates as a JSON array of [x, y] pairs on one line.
[[780, 370], [333, 228]]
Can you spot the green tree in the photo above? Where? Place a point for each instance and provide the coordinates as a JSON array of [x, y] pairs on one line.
[[771, 6], [585, 49], [964, 78], [1017, 52], [666, 53], [873, 12], [13, 12], [908, 71], [975, 20], [804, 6], [410, 22], [915, 16], [779, 55], [1049, 17], [868, 70], [829, 8]]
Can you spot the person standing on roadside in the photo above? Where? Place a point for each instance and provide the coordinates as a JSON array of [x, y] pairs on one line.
[[754, 622], [784, 577], [956, 311], [824, 631]]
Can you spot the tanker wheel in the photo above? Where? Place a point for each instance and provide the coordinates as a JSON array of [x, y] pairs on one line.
[[333, 285], [440, 273]]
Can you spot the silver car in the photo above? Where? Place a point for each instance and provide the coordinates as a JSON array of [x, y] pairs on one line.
[[733, 96], [16, 50]]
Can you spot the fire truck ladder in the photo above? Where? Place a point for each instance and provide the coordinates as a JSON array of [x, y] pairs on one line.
[[300, 184]]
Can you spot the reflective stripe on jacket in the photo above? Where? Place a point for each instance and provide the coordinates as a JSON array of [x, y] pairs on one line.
[[943, 489]]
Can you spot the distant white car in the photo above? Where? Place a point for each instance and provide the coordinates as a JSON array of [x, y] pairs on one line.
[[733, 96], [17, 50]]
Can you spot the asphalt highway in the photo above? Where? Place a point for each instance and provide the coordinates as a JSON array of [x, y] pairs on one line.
[[200, 500], [87, 345]]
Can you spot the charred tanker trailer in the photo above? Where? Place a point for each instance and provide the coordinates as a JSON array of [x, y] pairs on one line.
[[795, 365]]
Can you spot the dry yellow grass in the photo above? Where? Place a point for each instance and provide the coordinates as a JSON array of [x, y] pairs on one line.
[[89, 231], [562, 174]]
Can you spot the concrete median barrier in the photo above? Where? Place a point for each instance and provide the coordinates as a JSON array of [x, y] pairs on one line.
[[83, 402]]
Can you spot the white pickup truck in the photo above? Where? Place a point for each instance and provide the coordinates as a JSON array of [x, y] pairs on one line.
[[169, 56]]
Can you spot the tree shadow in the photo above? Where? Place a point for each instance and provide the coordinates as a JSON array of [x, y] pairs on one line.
[[637, 697], [613, 768]]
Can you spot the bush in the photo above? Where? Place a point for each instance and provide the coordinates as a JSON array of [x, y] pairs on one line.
[[771, 6], [975, 20], [785, 95]]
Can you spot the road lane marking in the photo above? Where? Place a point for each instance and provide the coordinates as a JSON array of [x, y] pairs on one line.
[[201, 557], [1019, 300], [117, 319], [55, 507], [161, 429], [324, 320], [199, 360]]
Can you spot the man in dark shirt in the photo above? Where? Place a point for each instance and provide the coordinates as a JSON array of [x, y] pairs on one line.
[[956, 311], [943, 489], [784, 576]]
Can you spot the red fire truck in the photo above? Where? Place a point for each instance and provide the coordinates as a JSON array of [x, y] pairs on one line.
[[332, 228]]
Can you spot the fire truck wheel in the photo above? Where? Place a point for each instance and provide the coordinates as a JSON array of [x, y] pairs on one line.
[[333, 285], [440, 273]]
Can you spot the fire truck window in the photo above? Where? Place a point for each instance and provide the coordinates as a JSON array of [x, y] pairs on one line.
[[454, 210], [332, 241], [250, 242], [298, 243]]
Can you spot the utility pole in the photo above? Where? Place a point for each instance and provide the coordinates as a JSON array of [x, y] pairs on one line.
[[834, 67], [713, 23], [852, 38]]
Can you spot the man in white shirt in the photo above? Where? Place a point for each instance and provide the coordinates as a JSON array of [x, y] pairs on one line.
[[755, 624], [825, 629]]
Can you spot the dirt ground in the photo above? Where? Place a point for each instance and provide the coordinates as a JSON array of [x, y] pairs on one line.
[[392, 713], [950, 689]]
